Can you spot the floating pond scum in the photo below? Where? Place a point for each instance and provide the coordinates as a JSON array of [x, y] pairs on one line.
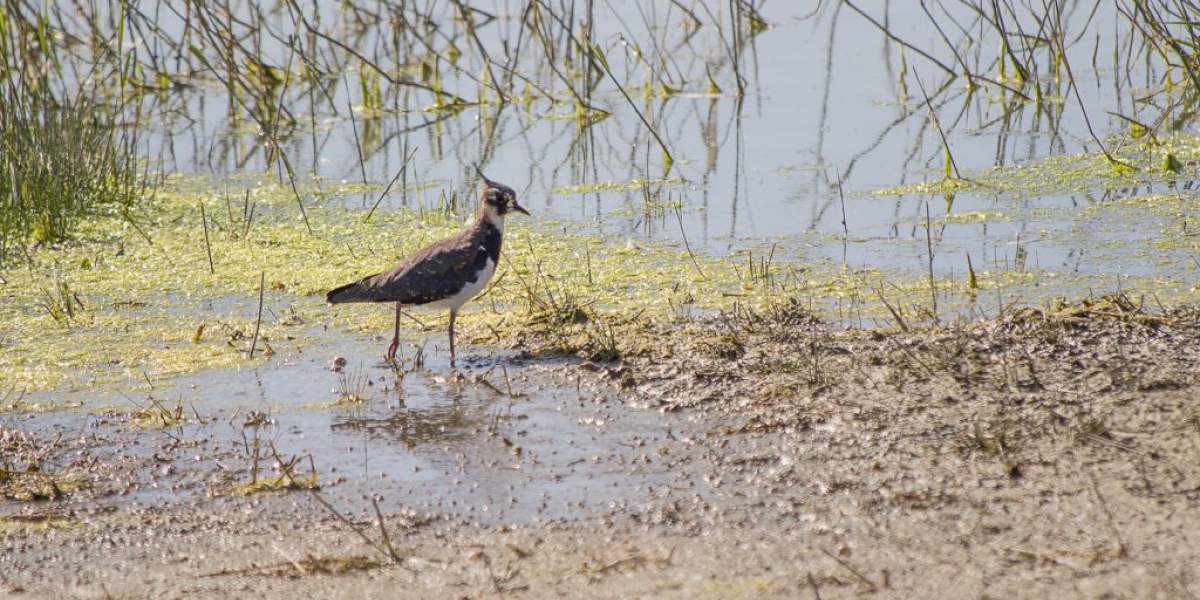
[[149, 306]]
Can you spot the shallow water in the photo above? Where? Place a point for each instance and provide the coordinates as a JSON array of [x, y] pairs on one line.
[[828, 99], [827, 96], [440, 441]]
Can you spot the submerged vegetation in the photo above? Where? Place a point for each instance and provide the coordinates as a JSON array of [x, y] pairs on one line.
[[1067, 174], [128, 291]]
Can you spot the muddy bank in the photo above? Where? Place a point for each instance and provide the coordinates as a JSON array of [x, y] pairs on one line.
[[1047, 452]]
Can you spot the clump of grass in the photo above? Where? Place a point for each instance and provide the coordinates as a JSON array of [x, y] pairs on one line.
[[284, 482], [994, 440], [157, 414], [309, 565], [567, 320], [552, 310], [352, 387], [33, 484], [60, 302], [1091, 427], [550, 302], [60, 161], [597, 338], [727, 346], [12, 399], [602, 344], [26, 471], [288, 475]]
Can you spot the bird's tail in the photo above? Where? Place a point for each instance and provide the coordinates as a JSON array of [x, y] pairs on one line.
[[352, 292]]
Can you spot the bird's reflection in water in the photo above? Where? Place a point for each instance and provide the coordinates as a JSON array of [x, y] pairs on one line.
[[450, 421]]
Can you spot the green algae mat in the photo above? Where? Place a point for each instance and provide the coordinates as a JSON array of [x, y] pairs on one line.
[[176, 289]]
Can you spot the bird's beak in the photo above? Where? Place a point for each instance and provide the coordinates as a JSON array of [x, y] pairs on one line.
[[518, 208]]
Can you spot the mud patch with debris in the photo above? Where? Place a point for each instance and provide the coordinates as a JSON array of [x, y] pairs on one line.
[[1046, 452]]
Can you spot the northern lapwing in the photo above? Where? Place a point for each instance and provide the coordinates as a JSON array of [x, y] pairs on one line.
[[444, 274]]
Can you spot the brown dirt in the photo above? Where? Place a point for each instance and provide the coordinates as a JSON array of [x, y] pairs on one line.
[[1048, 453]]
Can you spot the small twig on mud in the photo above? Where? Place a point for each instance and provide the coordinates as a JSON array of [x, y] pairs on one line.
[[686, 245], [507, 381], [482, 380], [262, 280], [196, 414], [295, 563], [1122, 549], [812, 583], [852, 570], [842, 199], [207, 246], [635, 560], [356, 530], [383, 532], [487, 563]]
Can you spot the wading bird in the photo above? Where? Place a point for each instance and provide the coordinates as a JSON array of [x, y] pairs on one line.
[[444, 274]]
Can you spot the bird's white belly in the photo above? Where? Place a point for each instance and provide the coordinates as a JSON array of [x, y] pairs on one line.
[[469, 291]]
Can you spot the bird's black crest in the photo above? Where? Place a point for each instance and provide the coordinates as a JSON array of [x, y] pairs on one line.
[[499, 196]]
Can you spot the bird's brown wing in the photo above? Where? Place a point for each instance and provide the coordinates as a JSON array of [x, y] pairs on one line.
[[435, 272]]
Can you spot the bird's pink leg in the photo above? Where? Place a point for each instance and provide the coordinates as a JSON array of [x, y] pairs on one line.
[[390, 357], [453, 314]]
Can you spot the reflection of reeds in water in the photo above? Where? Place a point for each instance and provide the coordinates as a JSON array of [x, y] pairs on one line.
[[1021, 50], [272, 59]]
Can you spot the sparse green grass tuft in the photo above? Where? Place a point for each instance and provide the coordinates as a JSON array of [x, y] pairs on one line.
[[289, 475], [1091, 427], [157, 414], [60, 161], [352, 387], [278, 484]]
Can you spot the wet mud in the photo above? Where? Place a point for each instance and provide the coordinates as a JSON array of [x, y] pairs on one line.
[[1045, 452]]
